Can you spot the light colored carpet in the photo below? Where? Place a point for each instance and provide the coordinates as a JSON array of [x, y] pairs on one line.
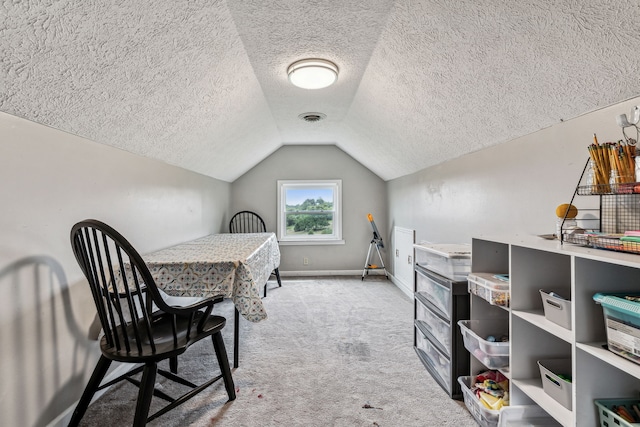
[[334, 352]]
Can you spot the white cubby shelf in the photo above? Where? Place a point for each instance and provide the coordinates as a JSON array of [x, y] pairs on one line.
[[577, 273]]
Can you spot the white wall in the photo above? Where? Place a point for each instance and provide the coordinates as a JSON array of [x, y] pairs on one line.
[[50, 180], [511, 188], [363, 192]]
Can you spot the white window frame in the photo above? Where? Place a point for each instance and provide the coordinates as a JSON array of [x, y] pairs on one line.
[[313, 239]]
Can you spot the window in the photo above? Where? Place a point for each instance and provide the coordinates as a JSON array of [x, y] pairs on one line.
[[309, 212]]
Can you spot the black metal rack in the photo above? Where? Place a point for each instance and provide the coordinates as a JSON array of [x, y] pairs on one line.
[[602, 228]]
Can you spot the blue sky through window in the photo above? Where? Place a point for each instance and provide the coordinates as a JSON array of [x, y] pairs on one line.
[[297, 196]]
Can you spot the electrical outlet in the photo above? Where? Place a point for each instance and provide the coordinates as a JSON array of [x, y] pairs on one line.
[[305, 261]]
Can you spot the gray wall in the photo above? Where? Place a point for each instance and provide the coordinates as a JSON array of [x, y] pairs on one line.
[[362, 192], [508, 189], [50, 180]]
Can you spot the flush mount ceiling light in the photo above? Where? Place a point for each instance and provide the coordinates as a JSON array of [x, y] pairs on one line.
[[313, 73]]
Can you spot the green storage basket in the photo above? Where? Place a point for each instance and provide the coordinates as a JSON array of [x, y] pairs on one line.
[[608, 418]]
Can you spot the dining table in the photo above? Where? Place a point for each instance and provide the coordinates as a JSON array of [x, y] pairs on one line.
[[228, 265]]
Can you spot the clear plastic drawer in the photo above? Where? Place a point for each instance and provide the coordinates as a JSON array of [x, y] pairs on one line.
[[435, 293], [488, 287], [437, 360], [437, 327], [450, 260]]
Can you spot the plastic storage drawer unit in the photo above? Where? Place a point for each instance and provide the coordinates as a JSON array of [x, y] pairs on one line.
[[450, 260], [492, 354], [556, 309], [439, 303], [622, 322], [484, 417], [551, 372]]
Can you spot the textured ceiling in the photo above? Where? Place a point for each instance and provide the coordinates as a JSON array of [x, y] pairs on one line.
[[201, 84]]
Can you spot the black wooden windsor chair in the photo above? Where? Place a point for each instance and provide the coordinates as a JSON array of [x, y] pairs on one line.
[[139, 326], [251, 222]]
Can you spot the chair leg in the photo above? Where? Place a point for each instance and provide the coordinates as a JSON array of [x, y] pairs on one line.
[[145, 394], [173, 365], [223, 362], [92, 386], [265, 289], [278, 277]]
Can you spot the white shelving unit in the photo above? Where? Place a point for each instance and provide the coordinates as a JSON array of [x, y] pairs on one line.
[[579, 273]]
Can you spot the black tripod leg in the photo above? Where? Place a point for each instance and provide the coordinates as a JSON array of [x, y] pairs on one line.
[[366, 261]]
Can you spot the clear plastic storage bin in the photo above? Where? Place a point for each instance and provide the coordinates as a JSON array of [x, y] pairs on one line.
[[490, 288], [526, 416], [552, 384], [556, 310], [484, 417], [450, 260], [492, 354], [622, 323]]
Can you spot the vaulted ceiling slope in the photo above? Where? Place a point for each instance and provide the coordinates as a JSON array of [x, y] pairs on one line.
[[202, 84]]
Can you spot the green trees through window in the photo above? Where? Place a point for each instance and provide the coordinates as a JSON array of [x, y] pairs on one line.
[[313, 216], [309, 212]]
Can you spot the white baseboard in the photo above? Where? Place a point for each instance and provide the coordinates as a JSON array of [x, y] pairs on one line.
[[406, 289], [328, 273], [64, 418], [402, 286]]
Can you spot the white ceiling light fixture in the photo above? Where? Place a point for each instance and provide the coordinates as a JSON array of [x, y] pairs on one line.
[[313, 73]]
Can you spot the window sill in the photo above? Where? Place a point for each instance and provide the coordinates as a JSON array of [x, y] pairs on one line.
[[310, 242]]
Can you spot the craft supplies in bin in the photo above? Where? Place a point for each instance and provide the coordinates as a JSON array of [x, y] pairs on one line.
[[556, 380], [491, 287], [526, 416], [622, 323], [487, 341], [485, 395], [618, 412], [556, 308], [450, 260]]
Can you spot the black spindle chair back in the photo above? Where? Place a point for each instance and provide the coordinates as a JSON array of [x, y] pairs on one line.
[[138, 325], [251, 222], [247, 222]]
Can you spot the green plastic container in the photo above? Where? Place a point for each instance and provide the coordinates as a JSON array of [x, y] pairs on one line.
[[608, 418], [622, 323]]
